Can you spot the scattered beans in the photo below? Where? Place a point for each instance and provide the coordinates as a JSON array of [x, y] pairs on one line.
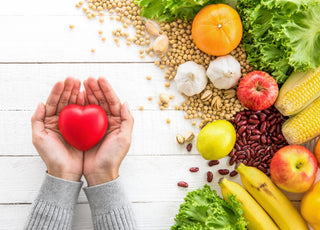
[[194, 169], [209, 176], [258, 138], [183, 184], [213, 162], [189, 147]]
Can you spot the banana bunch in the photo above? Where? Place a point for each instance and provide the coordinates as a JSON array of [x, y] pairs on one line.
[[264, 192]]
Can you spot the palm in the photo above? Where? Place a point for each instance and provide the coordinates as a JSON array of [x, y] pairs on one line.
[[64, 152], [59, 156], [106, 157], [96, 157]]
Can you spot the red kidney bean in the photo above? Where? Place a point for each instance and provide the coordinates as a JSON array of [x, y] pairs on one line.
[[254, 117], [264, 165], [223, 171], [253, 154], [263, 139], [248, 154], [250, 162], [232, 160], [256, 131], [245, 162], [240, 143], [240, 123], [254, 145], [237, 118], [213, 162], [255, 137], [274, 139], [242, 129], [273, 121], [231, 154], [242, 112], [183, 184], [238, 147], [272, 128], [256, 164], [262, 117], [265, 157], [249, 131], [252, 126], [254, 122], [263, 127], [243, 117], [260, 152], [194, 169], [262, 168], [244, 140], [189, 147], [242, 156], [209, 176], [233, 173]]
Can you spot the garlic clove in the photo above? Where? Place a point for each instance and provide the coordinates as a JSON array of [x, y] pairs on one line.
[[152, 29], [161, 44]]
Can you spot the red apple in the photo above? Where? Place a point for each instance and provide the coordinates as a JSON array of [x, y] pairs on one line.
[[294, 168], [257, 90]]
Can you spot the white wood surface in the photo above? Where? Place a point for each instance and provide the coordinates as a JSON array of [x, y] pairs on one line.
[[37, 48]]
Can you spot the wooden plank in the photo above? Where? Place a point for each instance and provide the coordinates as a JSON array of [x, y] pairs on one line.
[[145, 178], [149, 216], [23, 86], [46, 38], [151, 134]]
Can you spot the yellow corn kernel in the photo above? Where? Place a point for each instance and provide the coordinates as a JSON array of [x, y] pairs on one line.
[[304, 126], [298, 92]]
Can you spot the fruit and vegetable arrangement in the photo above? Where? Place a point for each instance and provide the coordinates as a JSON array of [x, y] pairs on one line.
[[250, 72]]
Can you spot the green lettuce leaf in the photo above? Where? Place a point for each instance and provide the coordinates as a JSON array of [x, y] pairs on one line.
[[203, 209], [281, 36], [169, 10]]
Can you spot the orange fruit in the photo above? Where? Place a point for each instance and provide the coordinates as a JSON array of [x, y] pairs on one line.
[[317, 151], [217, 29]]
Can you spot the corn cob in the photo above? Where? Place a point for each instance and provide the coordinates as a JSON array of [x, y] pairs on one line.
[[304, 126], [298, 92]]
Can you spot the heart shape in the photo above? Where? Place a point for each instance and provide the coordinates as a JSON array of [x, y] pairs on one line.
[[83, 126]]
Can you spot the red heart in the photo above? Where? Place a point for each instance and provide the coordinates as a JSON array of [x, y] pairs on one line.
[[83, 126]]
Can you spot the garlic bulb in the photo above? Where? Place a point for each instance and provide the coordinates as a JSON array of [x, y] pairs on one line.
[[191, 78], [224, 72]]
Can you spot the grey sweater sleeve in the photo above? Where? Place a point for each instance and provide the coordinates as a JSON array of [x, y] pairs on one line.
[[110, 208], [54, 206]]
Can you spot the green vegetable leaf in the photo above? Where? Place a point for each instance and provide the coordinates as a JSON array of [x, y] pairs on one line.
[[281, 36], [203, 209]]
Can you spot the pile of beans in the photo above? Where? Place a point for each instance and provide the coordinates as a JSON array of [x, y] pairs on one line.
[[259, 137]]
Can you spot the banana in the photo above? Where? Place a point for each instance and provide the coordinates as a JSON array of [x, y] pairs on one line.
[[271, 198], [256, 217]]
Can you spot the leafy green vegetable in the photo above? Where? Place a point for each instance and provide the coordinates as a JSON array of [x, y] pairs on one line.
[[168, 10], [281, 36], [203, 209]]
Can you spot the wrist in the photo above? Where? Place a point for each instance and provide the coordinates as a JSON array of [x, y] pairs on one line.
[[97, 178], [65, 176]]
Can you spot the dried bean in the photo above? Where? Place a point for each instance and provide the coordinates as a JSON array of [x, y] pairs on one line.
[[263, 139], [263, 127], [262, 168], [256, 131], [245, 162], [232, 160], [237, 118], [233, 173], [182, 184], [242, 129], [223, 171], [194, 169], [213, 162], [255, 137], [242, 156], [189, 147], [244, 122], [209, 176], [255, 122]]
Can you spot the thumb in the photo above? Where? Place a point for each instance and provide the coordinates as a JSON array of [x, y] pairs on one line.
[[38, 119], [126, 121]]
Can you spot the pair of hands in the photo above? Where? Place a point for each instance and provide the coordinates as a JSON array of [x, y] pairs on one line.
[[99, 164]]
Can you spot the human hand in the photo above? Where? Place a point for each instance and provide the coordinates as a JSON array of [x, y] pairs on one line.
[[62, 160], [102, 162]]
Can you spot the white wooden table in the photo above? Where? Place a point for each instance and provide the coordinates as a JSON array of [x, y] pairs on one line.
[[37, 48]]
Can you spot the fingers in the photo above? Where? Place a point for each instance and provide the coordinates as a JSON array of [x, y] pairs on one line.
[[89, 93], [126, 122], [111, 97], [37, 120], [97, 92], [65, 96], [81, 99], [53, 99], [75, 92]]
